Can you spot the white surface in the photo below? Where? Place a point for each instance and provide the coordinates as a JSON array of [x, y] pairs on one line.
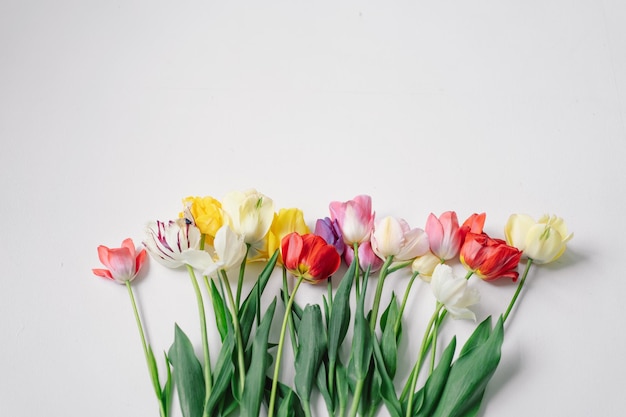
[[111, 112]]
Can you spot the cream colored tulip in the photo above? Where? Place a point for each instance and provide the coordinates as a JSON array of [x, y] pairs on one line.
[[249, 214], [543, 241], [425, 265]]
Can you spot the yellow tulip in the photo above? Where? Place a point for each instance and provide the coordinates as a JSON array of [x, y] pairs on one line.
[[207, 215], [543, 241], [286, 221]]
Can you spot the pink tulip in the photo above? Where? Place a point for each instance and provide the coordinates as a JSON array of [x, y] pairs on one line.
[[445, 235], [123, 263], [367, 257], [355, 218]]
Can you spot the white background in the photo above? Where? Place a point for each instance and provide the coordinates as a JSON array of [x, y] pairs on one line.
[[112, 111]]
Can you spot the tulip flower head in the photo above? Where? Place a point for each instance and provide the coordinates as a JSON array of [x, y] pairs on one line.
[[227, 252], [394, 237], [446, 236], [543, 241], [367, 257], [490, 258], [250, 214], [206, 213], [309, 257], [329, 230], [166, 242], [285, 221], [355, 218], [425, 265], [123, 263], [453, 292]]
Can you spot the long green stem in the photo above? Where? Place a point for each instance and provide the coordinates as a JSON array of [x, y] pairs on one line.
[[398, 322], [292, 330], [241, 364], [242, 270], [379, 291], [144, 345], [357, 394], [355, 248], [281, 344], [205, 341], [420, 358], [519, 289]]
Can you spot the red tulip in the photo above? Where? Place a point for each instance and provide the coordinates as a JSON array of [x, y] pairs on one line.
[[309, 257], [490, 258]]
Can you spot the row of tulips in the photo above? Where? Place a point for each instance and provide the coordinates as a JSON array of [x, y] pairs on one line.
[[212, 239]]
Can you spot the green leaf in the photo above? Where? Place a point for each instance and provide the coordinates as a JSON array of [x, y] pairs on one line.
[[426, 399], [372, 397], [166, 394], [311, 350], [388, 342], [387, 389], [322, 386], [361, 342], [341, 375], [187, 375], [339, 317], [479, 336], [220, 310], [248, 309], [286, 406], [255, 377], [470, 374], [154, 372], [223, 372]]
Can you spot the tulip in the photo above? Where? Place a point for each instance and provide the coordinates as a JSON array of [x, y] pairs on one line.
[[228, 251], [394, 237], [250, 214], [367, 258], [309, 257], [490, 258], [425, 265], [355, 218], [453, 293], [206, 213], [166, 242], [123, 263], [285, 221], [543, 241], [329, 230], [446, 236], [474, 223]]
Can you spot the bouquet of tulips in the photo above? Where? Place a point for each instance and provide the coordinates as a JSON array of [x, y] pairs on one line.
[[354, 372]]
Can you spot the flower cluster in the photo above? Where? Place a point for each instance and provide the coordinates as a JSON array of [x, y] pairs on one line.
[[354, 373]]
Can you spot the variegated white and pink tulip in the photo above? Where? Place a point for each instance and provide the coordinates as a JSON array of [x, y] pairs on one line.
[[168, 241]]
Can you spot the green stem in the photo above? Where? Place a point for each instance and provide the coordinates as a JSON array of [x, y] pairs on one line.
[[405, 390], [205, 341], [396, 326], [379, 291], [519, 289], [357, 269], [241, 364], [144, 345], [292, 330], [242, 270], [357, 394], [281, 343], [433, 341], [420, 358]]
